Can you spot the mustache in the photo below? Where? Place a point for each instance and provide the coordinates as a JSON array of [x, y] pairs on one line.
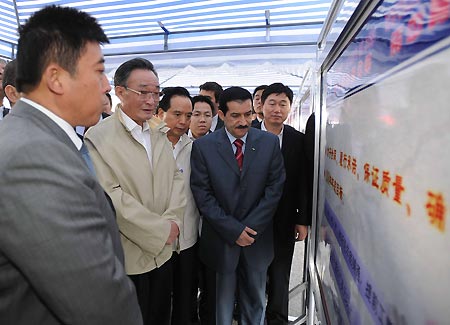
[[242, 127]]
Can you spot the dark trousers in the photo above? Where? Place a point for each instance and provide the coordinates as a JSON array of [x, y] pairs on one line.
[[154, 291], [207, 301], [184, 283], [278, 283], [221, 290], [199, 312]]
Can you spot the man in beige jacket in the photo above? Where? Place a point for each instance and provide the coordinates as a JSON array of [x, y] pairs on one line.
[[134, 163]]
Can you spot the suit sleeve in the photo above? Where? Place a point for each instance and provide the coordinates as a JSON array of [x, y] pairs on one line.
[[301, 173], [145, 228], [54, 232], [261, 215], [228, 227]]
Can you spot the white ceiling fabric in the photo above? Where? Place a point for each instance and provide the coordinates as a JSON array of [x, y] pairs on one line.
[[241, 43]]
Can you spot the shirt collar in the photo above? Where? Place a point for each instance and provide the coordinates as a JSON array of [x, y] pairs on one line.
[[190, 135], [214, 122], [59, 121], [263, 127], [232, 138], [131, 125]]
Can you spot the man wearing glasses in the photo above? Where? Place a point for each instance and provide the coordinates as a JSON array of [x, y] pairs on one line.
[[134, 163]]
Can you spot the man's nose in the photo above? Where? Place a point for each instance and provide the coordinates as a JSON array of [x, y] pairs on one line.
[[106, 85], [150, 100]]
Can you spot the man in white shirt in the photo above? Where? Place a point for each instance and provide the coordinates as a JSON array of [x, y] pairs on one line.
[[175, 109], [201, 117], [134, 162]]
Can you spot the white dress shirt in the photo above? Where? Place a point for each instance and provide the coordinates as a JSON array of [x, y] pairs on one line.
[[214, 122], [140, 134], [280, 136]]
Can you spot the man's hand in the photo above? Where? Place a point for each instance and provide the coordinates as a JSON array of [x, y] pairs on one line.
[[300, 232], [174, 232], [245, 239]]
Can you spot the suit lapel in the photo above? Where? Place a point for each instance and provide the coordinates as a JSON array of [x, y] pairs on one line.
[[286, 141], [226, 151], [251, 149], [43, 121]]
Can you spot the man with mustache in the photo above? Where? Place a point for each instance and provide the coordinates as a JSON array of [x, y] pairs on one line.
[[237, 176]]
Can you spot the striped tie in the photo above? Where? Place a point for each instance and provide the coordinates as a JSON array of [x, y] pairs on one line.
[[239, 154]]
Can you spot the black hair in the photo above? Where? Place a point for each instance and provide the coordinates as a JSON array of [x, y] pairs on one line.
[[170, 92], [203, 99], [9, 74], [124, 70], [277, 88], [233, 94], [262, 87], [213, 86], [53, 35]]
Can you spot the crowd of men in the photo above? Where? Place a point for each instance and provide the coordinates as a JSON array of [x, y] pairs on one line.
[[125, 221]]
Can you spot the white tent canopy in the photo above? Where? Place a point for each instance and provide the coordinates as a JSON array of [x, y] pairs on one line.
[[240, 43]]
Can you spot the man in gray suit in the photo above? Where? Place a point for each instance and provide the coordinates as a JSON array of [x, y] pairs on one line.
[[237, 178], [61, 260]]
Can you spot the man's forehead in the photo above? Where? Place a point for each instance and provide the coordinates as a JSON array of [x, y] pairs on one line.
[[240, 105], [280, 96], [200, 107], [144, 77], [149, 84]]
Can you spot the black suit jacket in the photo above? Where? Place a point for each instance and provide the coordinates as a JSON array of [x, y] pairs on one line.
[[219, 124], [292, 208]]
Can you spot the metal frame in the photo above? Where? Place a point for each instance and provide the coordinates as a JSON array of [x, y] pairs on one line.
[[357, 20], [225, 47]]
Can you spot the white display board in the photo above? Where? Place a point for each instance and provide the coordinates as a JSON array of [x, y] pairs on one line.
[[384, 243]]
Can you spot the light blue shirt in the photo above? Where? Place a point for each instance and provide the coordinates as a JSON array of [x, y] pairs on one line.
[[232, 139]]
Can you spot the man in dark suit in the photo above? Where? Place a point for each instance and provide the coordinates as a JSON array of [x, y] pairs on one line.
[[61, 260], [237, 177], [291, 219], [213, 91], [257, 105]]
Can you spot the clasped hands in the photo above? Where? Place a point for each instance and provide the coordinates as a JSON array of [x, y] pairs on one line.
[[245, 239]]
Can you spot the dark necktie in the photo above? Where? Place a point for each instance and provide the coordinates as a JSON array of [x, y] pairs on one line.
[[5, 111], [87, 159], [239, 154]]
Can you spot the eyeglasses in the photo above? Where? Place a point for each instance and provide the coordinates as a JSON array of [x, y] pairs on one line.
[[145, 94]]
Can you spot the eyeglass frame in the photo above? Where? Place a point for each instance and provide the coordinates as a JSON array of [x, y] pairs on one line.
[[145, 93]]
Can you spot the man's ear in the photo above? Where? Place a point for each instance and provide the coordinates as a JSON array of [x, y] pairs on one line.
[[221, 115], [160, 113], [55, 78], [119, 91], [11, 93]]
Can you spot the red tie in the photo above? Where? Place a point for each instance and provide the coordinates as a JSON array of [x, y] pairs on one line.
[[238, 154]]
